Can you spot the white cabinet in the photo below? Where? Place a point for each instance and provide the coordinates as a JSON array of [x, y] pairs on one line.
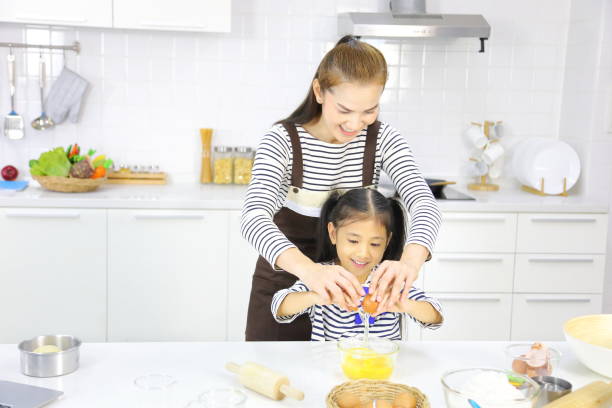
[[53, 273], [477, 232], [177, 15], [167, 275], [92, 13], [241, 265]]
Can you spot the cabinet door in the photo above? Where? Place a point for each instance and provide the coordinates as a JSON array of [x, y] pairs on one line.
[[477, 232], [241, 265], [53, 273], [178, 15], [541, 316], [473, 317], [92, 13], [167, 277]]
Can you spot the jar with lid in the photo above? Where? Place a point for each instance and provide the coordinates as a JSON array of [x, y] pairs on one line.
[[243, 164], [223, 165]]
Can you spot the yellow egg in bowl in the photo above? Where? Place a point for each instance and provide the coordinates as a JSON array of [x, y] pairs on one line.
[[590, 338]]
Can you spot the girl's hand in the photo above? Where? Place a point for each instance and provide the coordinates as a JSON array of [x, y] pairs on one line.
[[389, 279], [334, 284]]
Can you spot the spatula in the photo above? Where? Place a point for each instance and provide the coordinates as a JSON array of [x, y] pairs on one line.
[[13, 123]]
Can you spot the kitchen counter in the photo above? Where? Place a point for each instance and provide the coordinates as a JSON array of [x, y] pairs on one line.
[[107, 371], [229, 197]]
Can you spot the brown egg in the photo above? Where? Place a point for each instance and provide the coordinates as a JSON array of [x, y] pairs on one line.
[[348, 400], [379, 404], [405, 400]]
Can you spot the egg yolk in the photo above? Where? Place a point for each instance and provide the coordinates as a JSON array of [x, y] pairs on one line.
[[360, 362]]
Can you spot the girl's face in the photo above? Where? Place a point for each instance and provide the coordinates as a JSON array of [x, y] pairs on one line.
[[347, 108], [360, 245]]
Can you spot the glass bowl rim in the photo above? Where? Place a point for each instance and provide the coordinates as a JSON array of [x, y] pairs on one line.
[[342, 346], [241, 396], [534, 384]]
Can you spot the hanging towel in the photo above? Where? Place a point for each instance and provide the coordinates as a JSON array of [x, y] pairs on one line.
[[66, 96]]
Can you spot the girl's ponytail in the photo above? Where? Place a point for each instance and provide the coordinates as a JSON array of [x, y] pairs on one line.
[[398, 232], [326, 251]]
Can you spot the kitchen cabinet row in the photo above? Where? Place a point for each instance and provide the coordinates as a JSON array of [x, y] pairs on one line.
[[185, 275], [178, 15]]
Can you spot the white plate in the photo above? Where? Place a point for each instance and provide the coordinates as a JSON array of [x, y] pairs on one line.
[[523, 154], [552, 162]]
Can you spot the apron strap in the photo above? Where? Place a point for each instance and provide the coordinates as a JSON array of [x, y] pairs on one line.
[[369, 154], [297, 169]]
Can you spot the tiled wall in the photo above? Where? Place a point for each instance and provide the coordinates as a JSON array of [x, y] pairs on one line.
[[151, 91]]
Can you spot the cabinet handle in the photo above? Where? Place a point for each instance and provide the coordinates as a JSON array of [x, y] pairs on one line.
[[168, 216], [166, 25], [565, 219], [471, 299], [474, 218], [549, 300], [51, 19], [561, 260], [42, 215], [468, 259]]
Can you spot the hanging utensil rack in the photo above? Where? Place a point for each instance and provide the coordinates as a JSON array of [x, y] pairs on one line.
[[76, 46]]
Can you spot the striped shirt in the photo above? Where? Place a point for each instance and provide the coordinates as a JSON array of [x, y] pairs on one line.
[[328, 167], [329, 322]]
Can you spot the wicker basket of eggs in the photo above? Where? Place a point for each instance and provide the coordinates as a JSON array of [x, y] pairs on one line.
[[375, 393]]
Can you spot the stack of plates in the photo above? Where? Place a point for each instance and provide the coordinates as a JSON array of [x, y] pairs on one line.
[[553, 161]]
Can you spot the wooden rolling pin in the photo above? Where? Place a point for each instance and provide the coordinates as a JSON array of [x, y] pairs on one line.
[[264, 381], [597, 394]]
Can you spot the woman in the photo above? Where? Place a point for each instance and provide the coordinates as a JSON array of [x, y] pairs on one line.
[[332, 141]]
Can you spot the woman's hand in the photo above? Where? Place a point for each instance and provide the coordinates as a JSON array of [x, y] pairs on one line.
[[333, 284], [389, 279]]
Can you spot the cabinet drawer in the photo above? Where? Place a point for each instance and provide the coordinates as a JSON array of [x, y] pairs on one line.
[[573, 233], [473, 317], [469, 273], [477, 232], [559, 273], [541, 316]]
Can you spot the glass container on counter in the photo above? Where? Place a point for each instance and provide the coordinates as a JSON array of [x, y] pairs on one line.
[[223, 165], [243, 163]]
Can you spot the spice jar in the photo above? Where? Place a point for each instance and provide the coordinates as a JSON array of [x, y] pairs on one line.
[[222, 168], [243, 163]]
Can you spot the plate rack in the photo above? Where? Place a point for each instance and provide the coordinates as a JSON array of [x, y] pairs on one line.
[[541, 192]]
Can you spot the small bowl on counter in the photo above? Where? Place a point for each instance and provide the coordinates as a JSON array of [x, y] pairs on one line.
[[525, 358], [49, 355], [373, 358], [488, 387]]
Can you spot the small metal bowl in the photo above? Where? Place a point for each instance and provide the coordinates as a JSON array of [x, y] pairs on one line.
[[552, 388], [51, 364]]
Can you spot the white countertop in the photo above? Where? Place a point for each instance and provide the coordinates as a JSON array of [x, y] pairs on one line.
[[107, 370], [223, 197]]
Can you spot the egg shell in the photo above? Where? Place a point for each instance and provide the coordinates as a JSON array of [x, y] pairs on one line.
[[519, 366], [405, 400], [348, 400], [369, 304]]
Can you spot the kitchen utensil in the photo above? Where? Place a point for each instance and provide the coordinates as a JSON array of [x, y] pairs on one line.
[[460, 386], [473, 403], [50, 364], [517, 353], [229, 397], [597, 394], [206, 169], [18, 395], [129, 177], [368, 390], [590, 338], [437, 186], [13, 123], [264, 381], [553, 388], [43, 121], [373, 359], [155, 391]]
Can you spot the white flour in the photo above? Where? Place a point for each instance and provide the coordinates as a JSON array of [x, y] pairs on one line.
[[489, 390]]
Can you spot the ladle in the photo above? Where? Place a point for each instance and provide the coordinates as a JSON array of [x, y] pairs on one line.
[[43, 121]]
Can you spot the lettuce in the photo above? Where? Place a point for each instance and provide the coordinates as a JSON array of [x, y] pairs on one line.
[[51, 163]]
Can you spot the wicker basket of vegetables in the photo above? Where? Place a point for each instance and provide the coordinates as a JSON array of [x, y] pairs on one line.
[[68, 171]]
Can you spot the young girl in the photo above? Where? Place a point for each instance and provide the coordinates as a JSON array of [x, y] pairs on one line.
[[358, 230]]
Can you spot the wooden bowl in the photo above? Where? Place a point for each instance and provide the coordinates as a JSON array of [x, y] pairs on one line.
[[590, 337], [69, 184]]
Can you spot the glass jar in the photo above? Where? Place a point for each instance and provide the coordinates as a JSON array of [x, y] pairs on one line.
[[243, 164], [223, 166]]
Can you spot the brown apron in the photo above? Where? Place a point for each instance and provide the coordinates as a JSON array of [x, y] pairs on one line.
[[302, 232]]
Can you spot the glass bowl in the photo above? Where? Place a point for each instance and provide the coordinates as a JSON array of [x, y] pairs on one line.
[[225, 397], [373, 359], [517, 362], [487, 387]]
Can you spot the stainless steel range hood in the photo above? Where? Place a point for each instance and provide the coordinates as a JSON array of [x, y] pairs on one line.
[[402, 24]]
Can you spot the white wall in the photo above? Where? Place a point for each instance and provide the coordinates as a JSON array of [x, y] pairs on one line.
[[151, 91], [587, 103]]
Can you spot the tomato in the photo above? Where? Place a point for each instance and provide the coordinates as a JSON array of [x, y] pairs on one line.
[[99, 172], [369, 305]]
